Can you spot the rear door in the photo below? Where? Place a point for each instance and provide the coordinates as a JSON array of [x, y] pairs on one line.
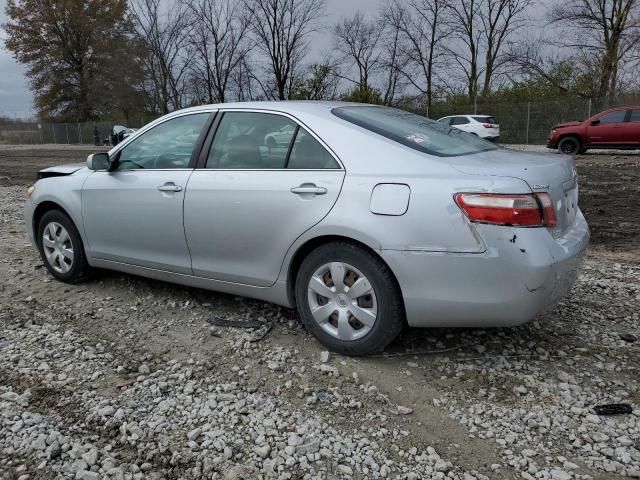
[[632, 128], [608, 129], [253, 197]]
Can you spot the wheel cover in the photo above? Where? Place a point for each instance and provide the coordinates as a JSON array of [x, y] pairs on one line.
[[342, 301], [569, 146], [58, 248]]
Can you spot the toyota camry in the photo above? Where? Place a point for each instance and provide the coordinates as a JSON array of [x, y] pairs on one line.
[[364, 218]]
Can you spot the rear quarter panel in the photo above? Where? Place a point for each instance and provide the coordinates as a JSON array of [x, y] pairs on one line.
[[432, 223]]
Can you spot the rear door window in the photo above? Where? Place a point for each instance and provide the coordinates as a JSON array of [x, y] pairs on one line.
[[635, 116], [308, 153], [414, 131], [251, 140]]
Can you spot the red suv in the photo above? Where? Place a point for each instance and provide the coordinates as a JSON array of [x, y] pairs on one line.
[[617, 128]]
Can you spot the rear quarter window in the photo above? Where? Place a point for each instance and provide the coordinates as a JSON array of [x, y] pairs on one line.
[[414, 131], [490, 120]]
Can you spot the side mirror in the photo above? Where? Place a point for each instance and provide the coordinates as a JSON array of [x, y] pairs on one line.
[[98, 161], [595, 122]]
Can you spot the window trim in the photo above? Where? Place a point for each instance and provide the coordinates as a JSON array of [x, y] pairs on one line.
[[206, 147], [114, 153]]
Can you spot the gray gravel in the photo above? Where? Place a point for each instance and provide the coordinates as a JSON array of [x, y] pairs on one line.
[[124, 378]]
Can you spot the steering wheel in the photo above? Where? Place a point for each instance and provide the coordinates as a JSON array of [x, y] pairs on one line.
[[166, 160], [120, 162]]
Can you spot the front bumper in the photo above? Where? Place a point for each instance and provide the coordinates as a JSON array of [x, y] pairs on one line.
[[523, 272], [28, 220]]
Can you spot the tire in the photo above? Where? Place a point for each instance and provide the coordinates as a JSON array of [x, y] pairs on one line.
[[381, 306], [569, 145], [71, 267]]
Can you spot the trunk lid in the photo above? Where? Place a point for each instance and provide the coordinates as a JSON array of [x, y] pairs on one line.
[[551, 173]]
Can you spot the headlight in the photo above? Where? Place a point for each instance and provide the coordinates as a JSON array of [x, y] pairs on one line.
[[554, 131], [30, 190]]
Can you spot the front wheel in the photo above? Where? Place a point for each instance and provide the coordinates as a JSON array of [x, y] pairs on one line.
[[348, 299], [61, 248], [569, 145]]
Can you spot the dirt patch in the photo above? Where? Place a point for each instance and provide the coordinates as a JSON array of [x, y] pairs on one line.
[[19, 164]]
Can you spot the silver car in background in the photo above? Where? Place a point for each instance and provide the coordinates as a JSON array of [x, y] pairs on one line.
[[365, 218]]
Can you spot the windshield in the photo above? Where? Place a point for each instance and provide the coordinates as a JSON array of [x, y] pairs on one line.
[[414, 131]]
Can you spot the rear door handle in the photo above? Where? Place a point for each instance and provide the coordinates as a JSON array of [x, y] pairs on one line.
[[170, 187], [308, 188]]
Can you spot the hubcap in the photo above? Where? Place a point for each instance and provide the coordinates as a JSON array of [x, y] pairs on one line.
[[342, 301], [58, 249], [568, 147]]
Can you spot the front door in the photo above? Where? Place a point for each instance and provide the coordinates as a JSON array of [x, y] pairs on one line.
[[608, 129], [632, 128], [266, 181], [134, 214]]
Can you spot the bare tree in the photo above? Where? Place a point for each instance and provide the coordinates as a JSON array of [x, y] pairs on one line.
[[164, 32], [466, 25], [357, 41], [393, 62], [219, 40], [500, 18], [281, 30], [484, 26], [605, 31], [424, 26]]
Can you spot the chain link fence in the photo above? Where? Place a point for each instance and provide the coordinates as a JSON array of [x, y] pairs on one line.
[[527, 122], [35, 132]]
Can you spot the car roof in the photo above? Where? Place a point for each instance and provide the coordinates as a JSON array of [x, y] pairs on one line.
[[614, 109], [468, 115], [316, 107]]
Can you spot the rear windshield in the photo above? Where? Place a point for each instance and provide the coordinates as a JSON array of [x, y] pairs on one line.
[[414, 131], [490, 120]]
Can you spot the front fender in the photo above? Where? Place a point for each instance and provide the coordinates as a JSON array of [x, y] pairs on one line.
[[65, 192]]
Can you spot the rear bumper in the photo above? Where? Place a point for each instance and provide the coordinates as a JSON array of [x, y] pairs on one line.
[[523, 272]]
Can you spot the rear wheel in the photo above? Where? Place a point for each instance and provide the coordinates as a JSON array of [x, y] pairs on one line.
[[348, 299], [61, 248], [569, 145]]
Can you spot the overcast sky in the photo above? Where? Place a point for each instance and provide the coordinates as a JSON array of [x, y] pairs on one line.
[[16, 99]]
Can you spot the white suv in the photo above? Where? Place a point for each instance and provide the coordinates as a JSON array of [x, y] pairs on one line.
[[484, 126]]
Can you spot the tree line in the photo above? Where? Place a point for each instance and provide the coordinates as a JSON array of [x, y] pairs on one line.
[[88, 59]]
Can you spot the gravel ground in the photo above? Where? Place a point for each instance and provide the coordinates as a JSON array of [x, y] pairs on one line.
[[124, 377]]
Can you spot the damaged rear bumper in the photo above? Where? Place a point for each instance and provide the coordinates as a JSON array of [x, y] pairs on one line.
[[522, 272]]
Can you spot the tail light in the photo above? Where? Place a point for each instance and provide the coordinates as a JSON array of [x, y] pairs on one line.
[[528, 210], [488, 125], [548, 212]]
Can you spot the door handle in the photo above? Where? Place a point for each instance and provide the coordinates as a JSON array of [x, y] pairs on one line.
[[170, 187], [309, 188]]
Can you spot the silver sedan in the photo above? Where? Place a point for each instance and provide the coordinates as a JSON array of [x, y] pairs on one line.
[[364, 218]]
